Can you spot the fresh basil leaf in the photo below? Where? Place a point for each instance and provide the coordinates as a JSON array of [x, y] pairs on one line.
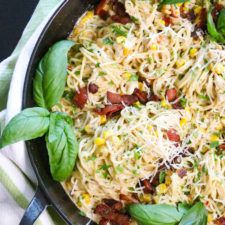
[[28, 124], [212, 30], [170, 2], [221, 22], [155, 214], [50, 78], [62, 146], [196, 215]]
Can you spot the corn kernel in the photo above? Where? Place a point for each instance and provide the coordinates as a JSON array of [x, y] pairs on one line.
[[102, 119], [99, 141], [197, 9], [88, 129], [145, 198], [168, 180], [163, 103], [193, 52], [121, 40], [156, 199], [107, 133], [161, 189], [126, 75], [153, 47], [137, 104], [162, 22], [149, 127], [126, 51], [210, 218], [214, 137], [180, 63], [219, 126], [89, 15], [183, 122], [219, 69], [141, 86], [86, 198]]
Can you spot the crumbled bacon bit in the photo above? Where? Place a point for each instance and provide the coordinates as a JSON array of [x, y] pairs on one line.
[[122, 20], [120, 13], [109, 214], [102, 9], [115, 205], [103, 222], [128, 199], [173, 136], [202, 20], [171, 94], [93, 88], [177, 105], [168, 20], [220, 221], [222, 147], [80, 98], [118, 99], [109, 110], [141, 95], [148, 187], [182, 172], [144, 80], [154, 98]]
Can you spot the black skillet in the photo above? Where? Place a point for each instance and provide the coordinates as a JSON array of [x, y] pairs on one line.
[[49, 192]]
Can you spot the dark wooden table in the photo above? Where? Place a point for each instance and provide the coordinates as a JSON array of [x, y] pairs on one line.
[[14, 15]]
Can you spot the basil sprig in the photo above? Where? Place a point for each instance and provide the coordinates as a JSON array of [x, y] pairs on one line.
[[62, 146], [50, 78], [163, 214], [170, 2], [60, 139], [29, 124], [217, 33], [160, 214], [196, 215]]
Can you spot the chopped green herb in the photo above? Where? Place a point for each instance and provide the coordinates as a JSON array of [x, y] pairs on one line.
[[133, 77], [108, 41], [97, 65], [77, 72], [105, 167], [68, 95], [214, 144], [183, 102], [101, 73], [196, 164], [204, 97], [119, 169], [137, 155], [162, 176], [120, 30], [82, 213]]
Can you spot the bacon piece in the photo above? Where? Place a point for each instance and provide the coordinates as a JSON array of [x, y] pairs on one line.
[[93, 88], [109, 214], [173, 136], [202, 20], [177, 105], [103, 222], [182, 172], [220, 221], [113, 204], [222, 147], [171, 94], [114, 98], [118, 99], [128, 199], [148, 187], [102, 9], [141, 95], [80, 98], [120, 13], [144, 80], [168, 20], [154, 98], [109, 110]]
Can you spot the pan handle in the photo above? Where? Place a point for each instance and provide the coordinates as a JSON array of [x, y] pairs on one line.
[[35, 208]]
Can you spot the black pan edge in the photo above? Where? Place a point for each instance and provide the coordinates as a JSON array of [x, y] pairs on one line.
[[58, 27]]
